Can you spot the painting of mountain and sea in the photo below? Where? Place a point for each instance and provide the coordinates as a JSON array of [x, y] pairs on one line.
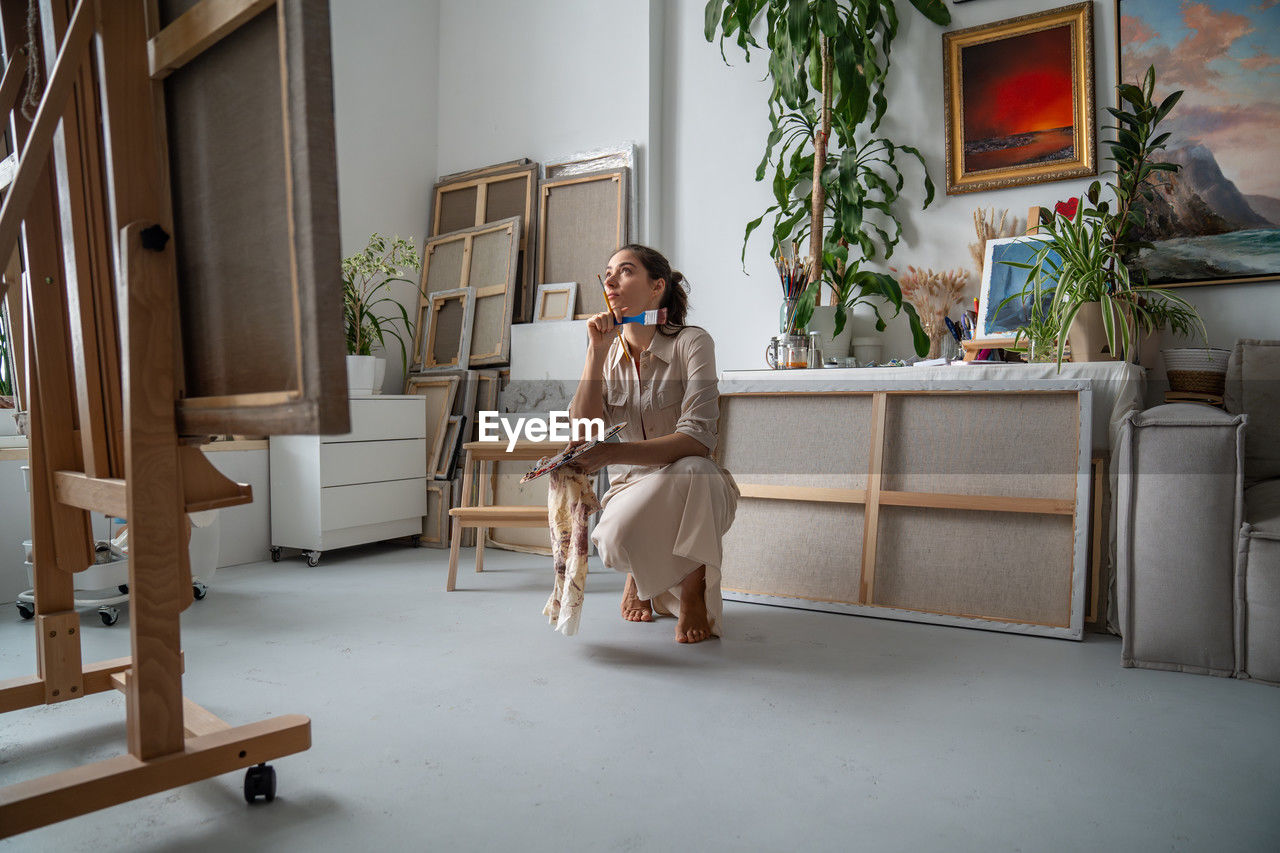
[[1218, 218]]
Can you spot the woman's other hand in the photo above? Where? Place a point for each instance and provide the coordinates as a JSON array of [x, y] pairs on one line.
[[595, 458], [599, 329]]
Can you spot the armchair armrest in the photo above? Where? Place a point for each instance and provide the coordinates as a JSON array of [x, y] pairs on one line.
[[1178, 498]]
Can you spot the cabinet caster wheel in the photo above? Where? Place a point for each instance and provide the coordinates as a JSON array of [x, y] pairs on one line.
[[124, 588], [109, 615], [199, 591], [26, 611], [313, 558], [415, 540], [275, 555], [260, 781]]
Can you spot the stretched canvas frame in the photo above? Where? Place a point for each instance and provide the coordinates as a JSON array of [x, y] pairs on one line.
[[989, 66], [435, 524], [492, 275], [488, 195], [878, 523], [440, 392], [450, 263], [447, 461], [583, 221], [555, 302], [446, 322], [625, 156]]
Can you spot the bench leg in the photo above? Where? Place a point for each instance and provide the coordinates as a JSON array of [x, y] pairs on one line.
[[480, 534]]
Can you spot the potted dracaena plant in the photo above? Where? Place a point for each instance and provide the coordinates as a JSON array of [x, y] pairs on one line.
[[835, 183], [371, 314], [1097, 304]]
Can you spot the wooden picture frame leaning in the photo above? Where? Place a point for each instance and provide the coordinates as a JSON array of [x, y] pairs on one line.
[[440, 392], [487, 195], [448, 264], [555, 302], [492, 276], [996, 132], [583, 221], [447, 329]]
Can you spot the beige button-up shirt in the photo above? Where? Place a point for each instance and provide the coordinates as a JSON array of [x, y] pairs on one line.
[[675, 390]]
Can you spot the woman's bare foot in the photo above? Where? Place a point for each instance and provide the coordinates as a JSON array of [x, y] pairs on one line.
[[693, 626], [635, 608]]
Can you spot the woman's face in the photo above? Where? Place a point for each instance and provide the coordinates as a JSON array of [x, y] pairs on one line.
[[630, 289]]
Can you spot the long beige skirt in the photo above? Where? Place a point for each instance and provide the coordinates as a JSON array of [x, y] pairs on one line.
[[663, 525]]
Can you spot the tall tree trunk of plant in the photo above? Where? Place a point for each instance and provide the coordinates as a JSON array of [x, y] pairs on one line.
[[820, 138]]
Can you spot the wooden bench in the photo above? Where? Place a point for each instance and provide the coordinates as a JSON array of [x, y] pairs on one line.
[[479, 454]]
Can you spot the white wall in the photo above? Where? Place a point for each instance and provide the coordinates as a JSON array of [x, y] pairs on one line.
[[543, 80], [385, 113]]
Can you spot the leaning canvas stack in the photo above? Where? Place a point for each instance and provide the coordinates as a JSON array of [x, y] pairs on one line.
[[498, 235]]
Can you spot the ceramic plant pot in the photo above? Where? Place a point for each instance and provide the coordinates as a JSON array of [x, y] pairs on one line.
[[360, 373], [1087, 337]]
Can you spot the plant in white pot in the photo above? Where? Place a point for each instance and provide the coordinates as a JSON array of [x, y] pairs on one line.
[[371, 313]]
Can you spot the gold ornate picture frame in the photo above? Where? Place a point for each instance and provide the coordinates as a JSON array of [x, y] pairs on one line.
[[1020, 101]]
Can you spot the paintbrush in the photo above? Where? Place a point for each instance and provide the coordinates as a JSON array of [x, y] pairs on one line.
[[653, 317], [621, 339]]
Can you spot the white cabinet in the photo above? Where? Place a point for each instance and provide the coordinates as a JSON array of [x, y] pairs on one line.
[[332, 491]]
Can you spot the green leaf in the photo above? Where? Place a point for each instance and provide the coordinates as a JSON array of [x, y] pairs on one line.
[[828, 18], [1166, 105], [934, 10], [714, 7]]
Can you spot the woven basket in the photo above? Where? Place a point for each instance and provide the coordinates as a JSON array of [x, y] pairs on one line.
[[1198, 381], [1198, 370]]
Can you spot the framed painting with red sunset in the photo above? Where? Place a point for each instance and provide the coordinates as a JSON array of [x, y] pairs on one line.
[[1020, 100]]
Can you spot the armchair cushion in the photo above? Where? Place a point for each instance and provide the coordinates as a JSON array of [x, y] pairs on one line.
[[1253, 387]]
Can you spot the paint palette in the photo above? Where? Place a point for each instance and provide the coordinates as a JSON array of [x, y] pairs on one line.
[[547, 464]]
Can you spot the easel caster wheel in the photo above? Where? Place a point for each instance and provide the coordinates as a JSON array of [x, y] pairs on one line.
[[275, 555], [313, 558], [124, 588], [260, 781], [26, 611], [109, 615], [199, 591]]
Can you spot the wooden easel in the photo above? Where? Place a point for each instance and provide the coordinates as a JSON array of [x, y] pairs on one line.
[[107, 391]]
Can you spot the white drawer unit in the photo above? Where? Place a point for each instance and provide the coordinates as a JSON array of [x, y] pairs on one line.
[[370, 484]]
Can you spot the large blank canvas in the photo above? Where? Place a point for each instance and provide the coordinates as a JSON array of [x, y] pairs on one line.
[[979, 502], [256, 227], [583, 222]]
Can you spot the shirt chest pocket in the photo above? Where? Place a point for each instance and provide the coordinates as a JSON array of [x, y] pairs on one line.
[[668, 395], [615, 395]]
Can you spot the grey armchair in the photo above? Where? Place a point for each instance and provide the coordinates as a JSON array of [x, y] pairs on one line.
[[1198, 528]]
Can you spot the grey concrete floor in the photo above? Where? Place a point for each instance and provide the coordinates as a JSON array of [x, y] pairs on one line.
[[461, 721]]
